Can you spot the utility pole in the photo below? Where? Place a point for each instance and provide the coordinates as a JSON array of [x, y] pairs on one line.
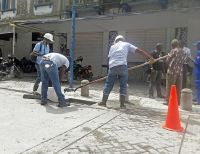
[[13, 43], [13, 49], [72, 46]]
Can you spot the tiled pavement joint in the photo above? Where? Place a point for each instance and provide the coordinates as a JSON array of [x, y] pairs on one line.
[[62, 133], [66, 139], [89, 132]]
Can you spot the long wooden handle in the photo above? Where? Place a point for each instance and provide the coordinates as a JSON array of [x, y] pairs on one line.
[[147, 63], [98, 80], [130, 68]]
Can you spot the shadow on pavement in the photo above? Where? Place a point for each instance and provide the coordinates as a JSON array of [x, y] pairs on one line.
[[52, 108], [15, 90]]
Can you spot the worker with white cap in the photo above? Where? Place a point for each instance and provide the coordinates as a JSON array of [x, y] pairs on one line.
[[118, 68], [40, 49]]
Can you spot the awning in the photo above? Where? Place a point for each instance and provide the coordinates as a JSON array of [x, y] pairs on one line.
[[64, 25]]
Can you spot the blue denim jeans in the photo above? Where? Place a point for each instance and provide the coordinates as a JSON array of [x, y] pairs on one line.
[[197, 92], [197, 86], [117, 72], [49, 71]]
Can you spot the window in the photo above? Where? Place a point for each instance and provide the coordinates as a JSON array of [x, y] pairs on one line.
[[8, 5], [43, 7], [43, 2], [39, 3], [86, 2], [37, 36]]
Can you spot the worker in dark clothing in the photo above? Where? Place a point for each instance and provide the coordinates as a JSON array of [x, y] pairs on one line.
[[156, 73]]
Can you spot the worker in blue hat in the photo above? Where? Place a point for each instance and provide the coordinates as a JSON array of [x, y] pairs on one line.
[[197, 73]]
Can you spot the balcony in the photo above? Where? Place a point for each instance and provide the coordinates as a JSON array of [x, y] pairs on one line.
[[125, 6], [42, 7], [102, 7]]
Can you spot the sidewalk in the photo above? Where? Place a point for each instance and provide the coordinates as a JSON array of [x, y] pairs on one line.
[[29, 128]]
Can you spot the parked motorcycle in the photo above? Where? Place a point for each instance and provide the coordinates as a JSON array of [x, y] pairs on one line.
[[7, 67], [82, 72]]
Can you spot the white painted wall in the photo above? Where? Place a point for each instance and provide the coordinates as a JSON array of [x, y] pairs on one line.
[[128, 22], [8, 14], [161, 20], [41, 10]]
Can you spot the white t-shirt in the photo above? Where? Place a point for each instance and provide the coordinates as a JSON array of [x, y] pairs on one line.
[[58, 59], [188, 53], [118, 53]]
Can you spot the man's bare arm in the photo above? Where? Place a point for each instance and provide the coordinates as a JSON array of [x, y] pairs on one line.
[[144, 53], [62, 73], [36, 53]]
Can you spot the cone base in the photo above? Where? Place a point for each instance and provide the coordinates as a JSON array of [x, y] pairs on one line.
[[181, 129]]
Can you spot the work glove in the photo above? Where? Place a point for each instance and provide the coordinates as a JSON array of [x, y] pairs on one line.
[[151, 60]]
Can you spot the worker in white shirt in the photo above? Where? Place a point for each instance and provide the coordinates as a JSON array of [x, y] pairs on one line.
[[118, 68], [49, 71]]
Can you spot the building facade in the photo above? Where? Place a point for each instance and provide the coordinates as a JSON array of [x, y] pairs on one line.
[[142, 22]]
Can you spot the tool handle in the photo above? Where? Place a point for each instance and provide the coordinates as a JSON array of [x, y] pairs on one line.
[[98, 80], [131, 68], [147, 63]]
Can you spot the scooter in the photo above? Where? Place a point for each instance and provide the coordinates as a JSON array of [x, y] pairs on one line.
[[8, 67], [82, 72]]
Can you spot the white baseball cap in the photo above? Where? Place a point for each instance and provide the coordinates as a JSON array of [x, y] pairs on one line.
[[49, 37], [119, 37]]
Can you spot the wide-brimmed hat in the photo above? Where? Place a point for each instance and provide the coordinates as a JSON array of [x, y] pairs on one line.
[[49, 37]]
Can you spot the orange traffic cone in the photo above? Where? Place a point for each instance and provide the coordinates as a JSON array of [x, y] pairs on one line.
[[172, 120]]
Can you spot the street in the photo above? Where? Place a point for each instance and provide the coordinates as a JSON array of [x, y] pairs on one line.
[[29, 128]]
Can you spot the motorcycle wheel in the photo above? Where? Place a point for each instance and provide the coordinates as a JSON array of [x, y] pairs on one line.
[[18, 72]]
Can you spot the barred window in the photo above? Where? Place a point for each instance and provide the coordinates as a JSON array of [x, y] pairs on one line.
[[42, 2], [86, 2], [8, 5]]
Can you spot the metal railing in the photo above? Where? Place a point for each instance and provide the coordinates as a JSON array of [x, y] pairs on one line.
[[124, 6]]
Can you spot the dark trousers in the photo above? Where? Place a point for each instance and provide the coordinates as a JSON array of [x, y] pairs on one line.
[[173, 80], [155, 81], [38, 78], [184, 82]]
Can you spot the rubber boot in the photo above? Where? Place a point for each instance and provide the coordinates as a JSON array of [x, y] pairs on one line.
[[104, 100], [35, 87], [122, 101]]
